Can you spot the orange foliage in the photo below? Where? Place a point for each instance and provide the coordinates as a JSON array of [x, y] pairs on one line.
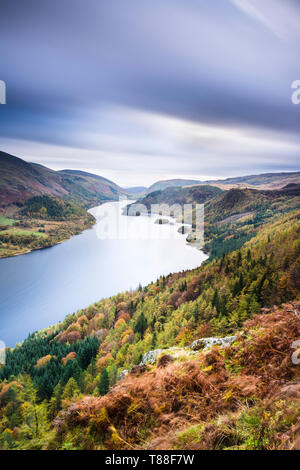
[[183, 393], [119, 323], [43, 361], [83, 319], [4, 391], [72, 355], [104, 361], [123, 316], [69, 337]]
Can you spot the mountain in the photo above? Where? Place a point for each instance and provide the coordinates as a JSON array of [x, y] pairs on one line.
[[231, 217], [161, 185], [262, 181], [136, 189], [240, 201], [133, 371], [181, 195], [20, 180], [220, 205]]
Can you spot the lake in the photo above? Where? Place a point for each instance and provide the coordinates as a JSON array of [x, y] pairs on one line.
[[40, 288]]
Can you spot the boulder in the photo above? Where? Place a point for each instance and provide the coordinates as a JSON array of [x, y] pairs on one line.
[[204, 343], [151, 356], [123, 374]]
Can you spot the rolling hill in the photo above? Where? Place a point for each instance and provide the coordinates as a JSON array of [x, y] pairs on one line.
[[231, 217], [220, 204], [20, 180], [180, 195], [239, 201], [262, 181], [164, 184], [153, 369]]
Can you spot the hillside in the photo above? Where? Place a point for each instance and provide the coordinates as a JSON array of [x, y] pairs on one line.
[[41, 207], [137, 191], [242, 396], [20, 180], [235, 216], [231, 217], [262, 181], [187, 195], [41, 222], [161, 185], [239, 201]]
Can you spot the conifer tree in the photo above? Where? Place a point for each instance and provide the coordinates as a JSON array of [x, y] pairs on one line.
[[103, 386]]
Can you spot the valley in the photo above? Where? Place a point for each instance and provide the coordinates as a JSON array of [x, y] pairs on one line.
[[193, 354]]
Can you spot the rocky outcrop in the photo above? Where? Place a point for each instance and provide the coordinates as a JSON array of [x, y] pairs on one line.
[[123, 374], [204, 343], [164, 356], [151, 356]]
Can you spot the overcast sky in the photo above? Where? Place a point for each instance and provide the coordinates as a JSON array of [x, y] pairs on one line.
[[141, 90]]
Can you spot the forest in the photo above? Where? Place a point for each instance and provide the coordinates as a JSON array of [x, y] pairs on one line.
[[41, 222], [62, 389]]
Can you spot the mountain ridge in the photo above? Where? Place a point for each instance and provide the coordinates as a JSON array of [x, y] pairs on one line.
[[20, 180]]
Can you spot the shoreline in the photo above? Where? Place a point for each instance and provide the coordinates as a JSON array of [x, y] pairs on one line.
[[193, 256], [26, 252]]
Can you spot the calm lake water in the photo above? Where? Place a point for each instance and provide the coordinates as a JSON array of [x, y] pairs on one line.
[[40, 288]]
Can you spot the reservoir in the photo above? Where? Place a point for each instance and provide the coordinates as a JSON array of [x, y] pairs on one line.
[[40, 288]]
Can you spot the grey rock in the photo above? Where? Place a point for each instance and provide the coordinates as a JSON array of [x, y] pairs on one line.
[[123, 374], [204, 343], [150, 357]]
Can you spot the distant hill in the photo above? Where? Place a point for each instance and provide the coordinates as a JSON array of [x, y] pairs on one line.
[[220, 204], [161, 185], [239, 201], [137, 191], [20, 180], [179, 195], [262, 181]]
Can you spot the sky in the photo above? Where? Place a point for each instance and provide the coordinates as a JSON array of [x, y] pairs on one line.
[[139, 90]]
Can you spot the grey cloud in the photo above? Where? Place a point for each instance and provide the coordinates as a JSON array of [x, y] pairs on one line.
[[224, 63]]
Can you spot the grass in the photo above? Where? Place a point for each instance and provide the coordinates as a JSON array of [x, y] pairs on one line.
[[26, 232], [189, 435], [4, 221], [35, 233]]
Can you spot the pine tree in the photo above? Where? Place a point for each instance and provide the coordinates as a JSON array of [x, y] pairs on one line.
[[196, 313], [103, 386], [141, 325], [71, 389], [216, 301]]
